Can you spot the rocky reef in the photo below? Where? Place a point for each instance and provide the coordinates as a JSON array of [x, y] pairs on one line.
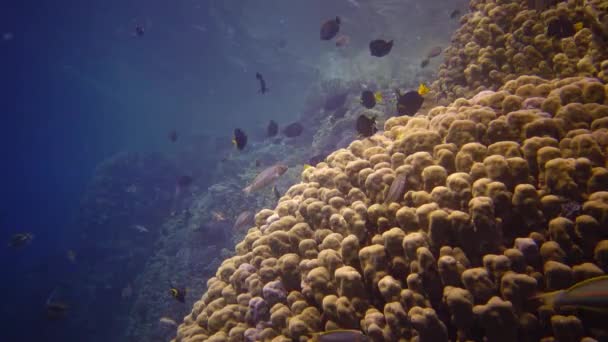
[[506, 196]]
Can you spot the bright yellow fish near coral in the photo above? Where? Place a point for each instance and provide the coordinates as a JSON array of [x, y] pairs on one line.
[[423, 89]]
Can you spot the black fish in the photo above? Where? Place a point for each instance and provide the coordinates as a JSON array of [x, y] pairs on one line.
[[380, 47], [316, 159], [272, 129], [260, 78], [20, 239], [368, 99], [240, 139], [455, 14], [334, 102], [139, 31], [330, 28], [178, 293], [424, 62], [293, 130], [184, 181], [173, 136], [560, 28], [409, 103], [366, 127]]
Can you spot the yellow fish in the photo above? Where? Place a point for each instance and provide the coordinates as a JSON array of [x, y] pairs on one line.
[[378, 96], [423, 89], [578, 26]]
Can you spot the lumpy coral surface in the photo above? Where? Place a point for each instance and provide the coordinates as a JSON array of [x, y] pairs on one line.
[[506, 196]]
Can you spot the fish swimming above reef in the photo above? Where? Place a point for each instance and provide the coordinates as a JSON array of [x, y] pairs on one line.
[[342, 40], [330, 28], [455, 14], [434, 52], [369, 98], [293, 130], [410, 102], [588, 294], [380, 47], [55, 309], [172, 136], [260, 78], [366, 127], [560, 28], [425, 62], [168, 321], [243, 221], [19, 240], [239, 140], [272, 129], [178, 294], [140, 228], [266, 177], [316, 159], [341, 335], [139, 31]]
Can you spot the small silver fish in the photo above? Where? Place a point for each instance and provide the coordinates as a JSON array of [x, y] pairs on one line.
[[342, 336], [591, 294], [266, 177], [168, 321], [395, 192], [141, 228]]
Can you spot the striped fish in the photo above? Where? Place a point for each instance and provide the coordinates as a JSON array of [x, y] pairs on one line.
[[588, 294]]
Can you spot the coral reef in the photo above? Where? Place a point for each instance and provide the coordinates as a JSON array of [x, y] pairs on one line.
[[500, 40], [501, 202]]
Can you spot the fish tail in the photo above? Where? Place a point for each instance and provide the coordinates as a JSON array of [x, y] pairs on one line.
[[548, 298]]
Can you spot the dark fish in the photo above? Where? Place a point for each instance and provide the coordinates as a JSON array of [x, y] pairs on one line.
[[184, 181], [366, 127], [266, 177], [395, 192], [277, 194], [380, 47], [342, 40], [591, 293], [263, 88], [272, 129], [178, 294], [368, 99], [316, 159], [293, 130], [455, 14], [409, 103], [56, 310], [240, 139], [341, 335], [139, 31], [560, 28], [424, 62], [434, 52], [173, 136], [20, 240], [330, 28], [335, 101]]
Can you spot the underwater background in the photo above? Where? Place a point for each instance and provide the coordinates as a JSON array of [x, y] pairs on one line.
[[124, 175]]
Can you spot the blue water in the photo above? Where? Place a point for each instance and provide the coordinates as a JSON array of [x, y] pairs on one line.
[[78, 88]]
